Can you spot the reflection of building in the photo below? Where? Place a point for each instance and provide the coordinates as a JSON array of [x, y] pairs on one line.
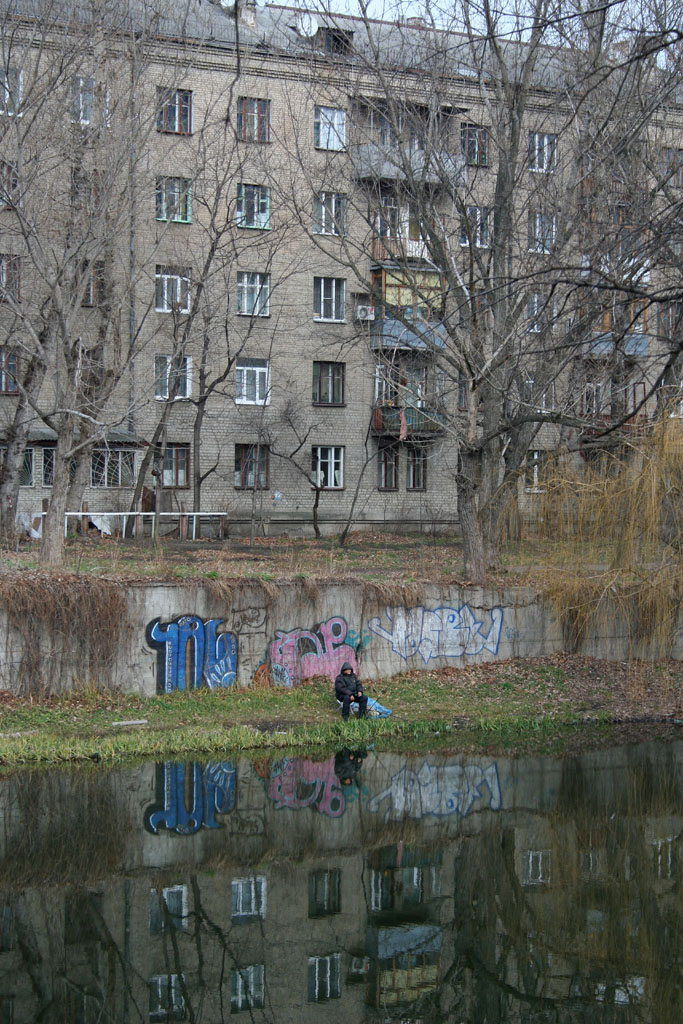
[[567, 894]]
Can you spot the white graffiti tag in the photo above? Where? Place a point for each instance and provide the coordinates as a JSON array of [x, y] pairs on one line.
[[438, 632], [449, 789]]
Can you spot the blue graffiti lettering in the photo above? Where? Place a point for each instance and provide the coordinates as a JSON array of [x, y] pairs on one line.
[[438, 632], [191, 651], [438, 790], [210, 792]]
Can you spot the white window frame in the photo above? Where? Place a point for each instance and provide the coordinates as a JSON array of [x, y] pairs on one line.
[[160, 985], [178, 922], [166, 367], [592, 398], [175, 472], [542, 152], [173, 289], [542, 232], [114, 458], [9, 371], [249, 897], [82, 100], [174, 199], [328, 457], [327, 977], [253, 293], [252, 376], [331, 292], [247, 988], [535, 461], [329, 213], [416, 468], [11, 88], [173, 101], [329, 128], [253, 206], [536, 867], [476, 227]]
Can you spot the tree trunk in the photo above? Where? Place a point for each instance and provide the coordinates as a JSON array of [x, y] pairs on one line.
[[196, 463], [52, 550], [474, 552]]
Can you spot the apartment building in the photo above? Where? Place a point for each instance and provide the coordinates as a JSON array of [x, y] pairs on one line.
[[265, 263]]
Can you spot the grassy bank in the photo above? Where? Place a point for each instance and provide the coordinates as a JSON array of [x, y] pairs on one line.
[[539, 705]]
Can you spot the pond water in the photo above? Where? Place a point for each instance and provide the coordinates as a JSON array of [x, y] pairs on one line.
[[367, 887]]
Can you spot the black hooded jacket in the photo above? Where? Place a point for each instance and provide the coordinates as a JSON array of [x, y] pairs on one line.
[[350, 684]]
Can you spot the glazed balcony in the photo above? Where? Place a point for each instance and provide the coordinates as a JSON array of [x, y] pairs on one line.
[[392, 420]]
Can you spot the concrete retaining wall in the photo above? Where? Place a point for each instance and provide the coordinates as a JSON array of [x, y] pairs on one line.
[[185, 636]]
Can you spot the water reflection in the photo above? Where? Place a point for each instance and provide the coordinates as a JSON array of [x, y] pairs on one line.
[[390, 889]]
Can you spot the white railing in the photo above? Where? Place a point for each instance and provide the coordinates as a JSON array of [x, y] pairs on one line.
[[187, 521]]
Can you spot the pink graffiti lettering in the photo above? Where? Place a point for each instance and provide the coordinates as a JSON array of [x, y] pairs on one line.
[[302, 653], [308, 784]]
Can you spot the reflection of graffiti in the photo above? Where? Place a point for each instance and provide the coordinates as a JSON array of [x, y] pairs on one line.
[[209, 792], [248, 620], [302, 653], [438, 633], [297, 783], [448, 789], [192, 651]]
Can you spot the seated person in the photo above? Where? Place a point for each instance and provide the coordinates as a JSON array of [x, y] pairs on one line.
[[348, 689], [347, 765]]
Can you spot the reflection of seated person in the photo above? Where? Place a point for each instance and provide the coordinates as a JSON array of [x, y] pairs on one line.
[[347, 765], [349, 690]]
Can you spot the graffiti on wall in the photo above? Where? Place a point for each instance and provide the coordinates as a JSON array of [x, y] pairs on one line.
[[301, 653], [296, 783], [189, 798], [439, 790], [191, 651], [438, 632]]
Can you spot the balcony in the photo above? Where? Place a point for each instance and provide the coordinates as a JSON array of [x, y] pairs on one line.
[[423, 335], [602, 346], [384, 249], [374, 162], [411, 422]]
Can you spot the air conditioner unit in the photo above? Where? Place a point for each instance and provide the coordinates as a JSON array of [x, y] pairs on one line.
[[365, 312]]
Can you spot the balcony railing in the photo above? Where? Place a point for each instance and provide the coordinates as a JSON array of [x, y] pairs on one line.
[[376, 162], [399, 248], [407, 420]]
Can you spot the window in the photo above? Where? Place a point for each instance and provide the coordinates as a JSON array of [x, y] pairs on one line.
[[670, 319], [10, 273], [253, 119], [536, 867], [323, 978], [112, 467], [247, 988], [329, 128], [176, 469], [324, 892], [252, 381], [328, 383], [172, 377], [92, 276], [166, 997], [416, 475], [253, 206], [9, 367], [336, 40], [329, 213], [172, 290], [247, 458], [475, 144], [592, 398], [542, 151], [26, 475], [9, 183], [387, 466], [253, 294], [249, 898], [327, 466], [168, 910], [463, 392], [82, 97], [542, 231], [543, 402], [672, 166], [475, 229], [537, 313], [328, 298], [535, 465], [174, 108], [10, 90], [48, 465], [174, 199]]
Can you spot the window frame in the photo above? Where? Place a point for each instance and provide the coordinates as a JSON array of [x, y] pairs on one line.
[[180, 102], [249, 993], [175, 472], [160, 985], [256, 910], [253, 293], [475, 227], [171, 279], [535, 461], [158, 920], [10, 183], [258, 119], [11, 91], [175, 366], [260, 368], [27, 476], [329, 213], [9, 371], [336, 299], [330, 379], [329, 128], [260, 207], [333, 460], [672, 165], [387, 466], [542, 232], [245, 467], [10, 277], [93, 272], [474, 143], [542, 152], [324, 892], [82, 100], [416, 468], [173, 199], [327, 986], [113, 454]]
